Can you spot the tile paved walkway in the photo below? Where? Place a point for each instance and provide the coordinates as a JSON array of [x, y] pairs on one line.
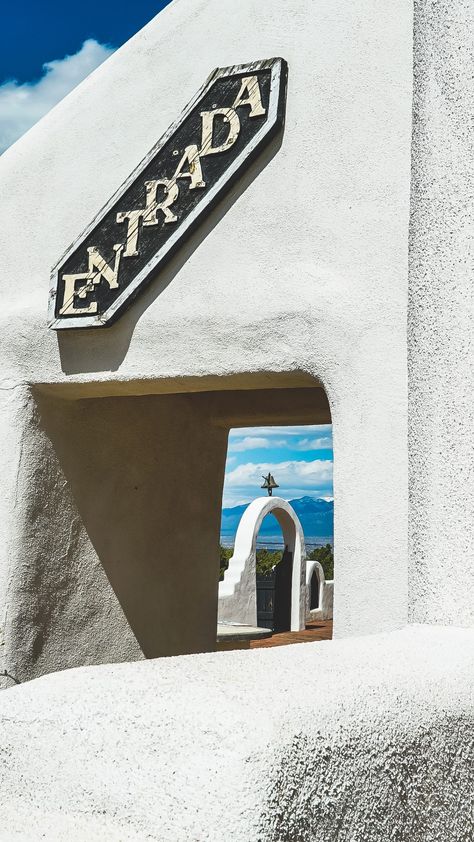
[[320, 630]]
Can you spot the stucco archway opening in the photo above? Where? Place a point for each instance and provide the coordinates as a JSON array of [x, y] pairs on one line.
[[134, 485], [314, 591], [275, 585], [284, 603], [260, 584]]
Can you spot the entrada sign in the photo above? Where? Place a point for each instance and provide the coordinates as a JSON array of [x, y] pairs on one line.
[[237, 112]]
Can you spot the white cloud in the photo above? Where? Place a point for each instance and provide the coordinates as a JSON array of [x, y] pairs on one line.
[[253, 438], [21, 105], [314, 444], [296, 478], [254, 443], [296, 430], [248, 443], [297, 473]]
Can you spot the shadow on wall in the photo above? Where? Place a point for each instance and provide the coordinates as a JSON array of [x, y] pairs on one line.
[[115, 511], [104, 349], [116, 554]]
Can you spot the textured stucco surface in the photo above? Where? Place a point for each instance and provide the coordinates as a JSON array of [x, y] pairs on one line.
[[301, 272], [96, 570], [441, 317], [377, 743]]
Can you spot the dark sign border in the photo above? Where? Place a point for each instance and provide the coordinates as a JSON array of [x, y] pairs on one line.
[[274, 122]]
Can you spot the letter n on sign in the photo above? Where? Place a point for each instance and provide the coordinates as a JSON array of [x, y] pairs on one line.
[[234, 115]]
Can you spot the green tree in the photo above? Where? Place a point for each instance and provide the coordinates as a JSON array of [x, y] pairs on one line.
[[266, 560], [325, 556], [225, 554]]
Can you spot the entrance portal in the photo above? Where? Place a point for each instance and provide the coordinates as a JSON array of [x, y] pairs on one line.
[[130, 510]]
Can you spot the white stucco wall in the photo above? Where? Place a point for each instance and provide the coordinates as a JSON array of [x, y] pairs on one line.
[[94, 564], [304, 272], [358, 740], [441, 317], [367, 738]]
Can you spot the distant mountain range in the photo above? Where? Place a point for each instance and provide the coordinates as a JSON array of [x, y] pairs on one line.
[[316, 518]]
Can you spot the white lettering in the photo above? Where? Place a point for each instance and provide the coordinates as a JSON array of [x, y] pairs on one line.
[[98, 268], [152, 206], [194, 171], [251, 88], [148, 213], [190, 165], [207, 120], [133, 217]]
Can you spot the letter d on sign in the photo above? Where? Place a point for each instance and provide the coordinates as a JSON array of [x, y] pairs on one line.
[[207, 117]]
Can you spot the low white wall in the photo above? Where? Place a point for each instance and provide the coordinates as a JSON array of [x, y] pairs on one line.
[[324, 611], [328, 600], [373, 737]]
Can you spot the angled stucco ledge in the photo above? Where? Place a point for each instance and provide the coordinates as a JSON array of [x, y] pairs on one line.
[[358, 740]]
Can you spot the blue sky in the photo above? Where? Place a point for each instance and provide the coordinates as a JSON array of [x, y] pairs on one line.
[[46, 49], [36, 31], [300, 458]]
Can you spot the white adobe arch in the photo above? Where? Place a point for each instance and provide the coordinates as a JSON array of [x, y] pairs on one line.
[[237, 591], [324, 610], [313, 566]]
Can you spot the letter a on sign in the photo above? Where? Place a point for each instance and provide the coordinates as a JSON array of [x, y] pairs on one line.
[[222, 130]]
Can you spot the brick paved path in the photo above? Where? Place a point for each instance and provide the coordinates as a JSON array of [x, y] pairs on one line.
[[321, 630]]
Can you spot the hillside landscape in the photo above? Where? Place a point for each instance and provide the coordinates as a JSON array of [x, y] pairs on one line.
[[316, 517]]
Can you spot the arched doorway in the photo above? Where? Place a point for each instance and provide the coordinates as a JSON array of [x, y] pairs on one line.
[[238, 592], [320, 592], [314, 591], [274, 591]]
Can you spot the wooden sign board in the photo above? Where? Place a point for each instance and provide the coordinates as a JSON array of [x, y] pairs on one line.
[[229, 121]]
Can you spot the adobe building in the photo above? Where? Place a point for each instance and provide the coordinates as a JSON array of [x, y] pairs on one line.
[[295, 250], [324, 279]]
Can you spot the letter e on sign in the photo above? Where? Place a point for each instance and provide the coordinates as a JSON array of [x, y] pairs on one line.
[[222, 130]]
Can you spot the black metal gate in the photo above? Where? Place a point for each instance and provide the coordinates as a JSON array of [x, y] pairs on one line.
[[274, 596], [265, 599]]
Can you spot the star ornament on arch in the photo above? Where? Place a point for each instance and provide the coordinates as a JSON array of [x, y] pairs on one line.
[[224, 128]]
